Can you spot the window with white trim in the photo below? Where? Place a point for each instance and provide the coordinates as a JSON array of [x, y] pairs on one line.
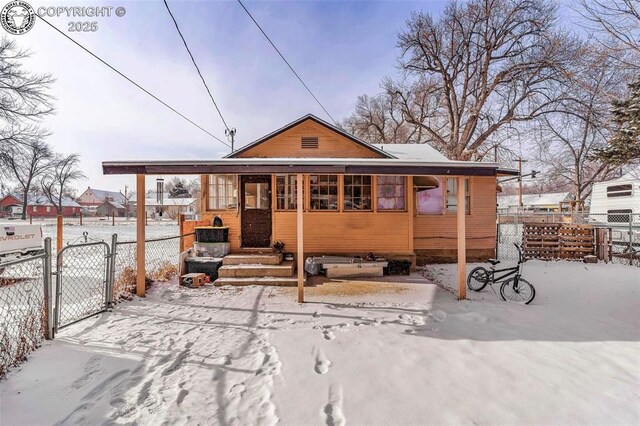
[[286, 196], [451, 199], [223, 192]]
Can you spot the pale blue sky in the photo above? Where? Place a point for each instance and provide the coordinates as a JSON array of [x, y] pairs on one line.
[[341, 49]]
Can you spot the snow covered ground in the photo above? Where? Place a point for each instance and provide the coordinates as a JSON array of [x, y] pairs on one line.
[[100, 228], [358, 353]]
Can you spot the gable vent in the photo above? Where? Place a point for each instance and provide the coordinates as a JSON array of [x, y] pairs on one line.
[[309, 142]]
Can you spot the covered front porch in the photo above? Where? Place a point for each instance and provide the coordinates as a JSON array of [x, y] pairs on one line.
[[308, 220]]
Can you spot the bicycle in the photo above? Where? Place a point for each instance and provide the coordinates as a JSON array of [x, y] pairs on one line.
[[514, 288]]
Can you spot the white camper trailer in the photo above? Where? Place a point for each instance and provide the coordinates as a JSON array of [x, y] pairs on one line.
[[616, 201]]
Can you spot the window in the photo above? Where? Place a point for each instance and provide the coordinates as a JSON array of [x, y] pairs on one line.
[[223, 192], [357, 192], [619, 190], [286, 196], [323, 192], [35, 208], [48, 209], [451, 200], [256, 196], [390, 192], [619, 216], [429, 194]]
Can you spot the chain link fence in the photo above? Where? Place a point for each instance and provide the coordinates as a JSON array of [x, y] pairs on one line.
[[619, 232], [88, 278], [161, 263], [23, 309]]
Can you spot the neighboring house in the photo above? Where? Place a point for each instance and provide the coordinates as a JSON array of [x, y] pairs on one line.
[[8, 205], [109, 208], [615, 200], [41, 207], [400, 201], [549, 202], [97, 197], [172, 207]]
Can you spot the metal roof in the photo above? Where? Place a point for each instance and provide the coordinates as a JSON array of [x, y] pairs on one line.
[[380, 166]]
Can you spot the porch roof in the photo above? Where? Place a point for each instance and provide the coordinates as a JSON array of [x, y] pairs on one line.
[[252, 166]]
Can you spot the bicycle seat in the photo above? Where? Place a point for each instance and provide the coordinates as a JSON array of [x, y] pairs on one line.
[[493, 261]]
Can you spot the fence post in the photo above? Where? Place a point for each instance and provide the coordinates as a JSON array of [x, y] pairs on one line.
[[58, 274], [111, 271], [631, 239], [48, 289]]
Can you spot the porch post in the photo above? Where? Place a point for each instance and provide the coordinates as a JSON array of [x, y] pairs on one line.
[[140, 236], [462, 240], [300, 238]]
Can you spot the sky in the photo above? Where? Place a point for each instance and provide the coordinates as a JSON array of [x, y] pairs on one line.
[[341, 49]]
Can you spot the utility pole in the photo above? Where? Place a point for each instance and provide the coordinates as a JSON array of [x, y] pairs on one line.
[[520, 161], [231, 133]]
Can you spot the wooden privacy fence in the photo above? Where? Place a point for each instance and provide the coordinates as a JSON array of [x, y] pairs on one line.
[[544, 240]]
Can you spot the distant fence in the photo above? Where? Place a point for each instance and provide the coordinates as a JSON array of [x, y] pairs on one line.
[[42, 293], [614, 237]]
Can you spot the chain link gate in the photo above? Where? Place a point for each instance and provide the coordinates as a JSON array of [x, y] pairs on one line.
[[83, 282]]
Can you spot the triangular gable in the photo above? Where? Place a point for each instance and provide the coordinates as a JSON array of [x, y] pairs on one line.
[[287, 143]]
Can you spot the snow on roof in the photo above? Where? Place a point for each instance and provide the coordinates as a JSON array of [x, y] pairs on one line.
[[532, 200], [115, 205], [103, 194], [44, 201], [412, 151], [170, 202]]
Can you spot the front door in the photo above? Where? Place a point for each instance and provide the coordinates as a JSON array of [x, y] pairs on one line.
[[256, 211]]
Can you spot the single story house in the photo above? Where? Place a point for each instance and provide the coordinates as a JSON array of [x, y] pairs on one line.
[[171, 207], [547, 202], [97, 197], [320, 190], [40, 206], [9, 204], [109, 208]]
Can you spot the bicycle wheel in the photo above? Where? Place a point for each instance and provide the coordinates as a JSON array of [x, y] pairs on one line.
[[523, 294], [478, 279]]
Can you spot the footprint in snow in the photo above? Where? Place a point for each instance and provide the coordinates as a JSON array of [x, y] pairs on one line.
[[333, 410], [438, 315], [322, 363], [328, 334]]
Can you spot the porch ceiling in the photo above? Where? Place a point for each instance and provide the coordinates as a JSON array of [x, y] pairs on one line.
[[304, 165]]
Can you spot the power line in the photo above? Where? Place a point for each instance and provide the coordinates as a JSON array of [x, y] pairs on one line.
[[133, 82], [196, 65], [286, 62]]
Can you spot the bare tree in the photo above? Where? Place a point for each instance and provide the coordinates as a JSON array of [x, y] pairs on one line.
[[617, 20], [56, 185], [468, 76], [24, 163], [379, 119], [582, 124], [24, 96]]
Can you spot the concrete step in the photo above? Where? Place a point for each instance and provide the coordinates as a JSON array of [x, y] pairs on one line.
[[252, 259], [285, 269], [268, 281]]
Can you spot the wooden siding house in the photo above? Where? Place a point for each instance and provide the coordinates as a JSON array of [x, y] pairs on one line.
[[399, 201]]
